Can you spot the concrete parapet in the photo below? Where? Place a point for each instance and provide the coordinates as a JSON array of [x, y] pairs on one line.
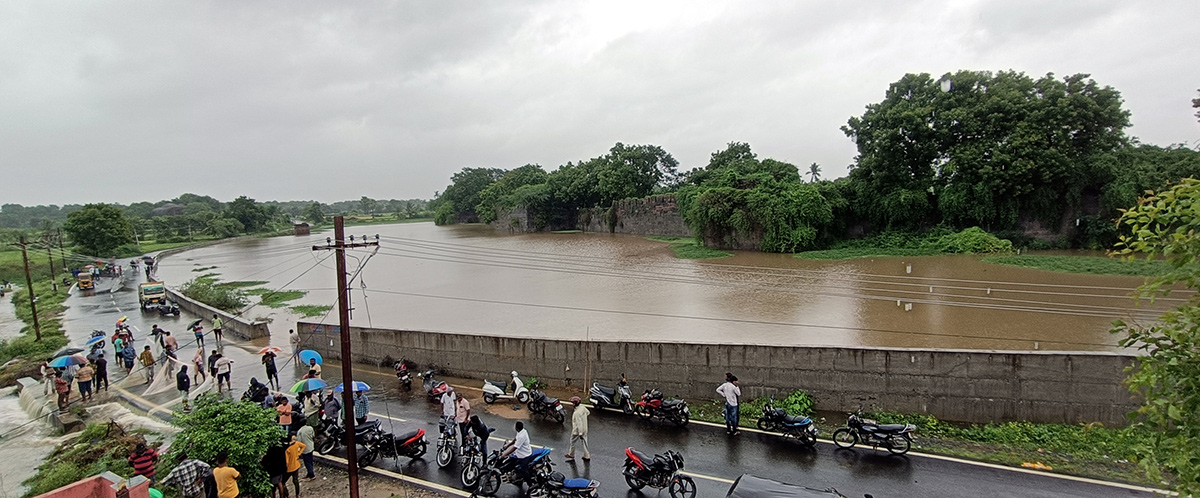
[[956, 385], [231, 324]]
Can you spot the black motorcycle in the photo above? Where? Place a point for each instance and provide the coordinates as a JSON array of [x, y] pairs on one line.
[[473, 458], [896, 438], [165, 309], [555, 484], [333, 435], [377, 444], [653, 405], [403, 375], [540, 404], [661, 471], [771, 416], [607, 397], [499, 469]]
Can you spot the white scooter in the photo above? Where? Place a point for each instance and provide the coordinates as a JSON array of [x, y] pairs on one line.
[[493, 391]]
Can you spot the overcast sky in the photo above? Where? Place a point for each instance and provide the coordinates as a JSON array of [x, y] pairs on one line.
[[129, 101]]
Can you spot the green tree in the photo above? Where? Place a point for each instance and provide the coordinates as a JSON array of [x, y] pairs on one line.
[[814, 172], [1167, 377], [368, 205], [223, 227], [242, 429], [250, 214], [313, 213], [498, 195], [463, 194], [98, 229]]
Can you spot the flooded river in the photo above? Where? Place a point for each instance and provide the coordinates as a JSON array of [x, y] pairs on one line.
[[473, 279]]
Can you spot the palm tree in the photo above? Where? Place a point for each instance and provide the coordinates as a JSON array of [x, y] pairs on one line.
[[814, 171]]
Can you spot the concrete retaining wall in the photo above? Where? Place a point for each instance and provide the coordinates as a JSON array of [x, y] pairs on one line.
[[236, 325], [655, 215], [966, 386]]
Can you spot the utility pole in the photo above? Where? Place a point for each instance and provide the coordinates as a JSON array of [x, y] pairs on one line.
[[37, 328], [62, 252], [339, 247], [53, 276]]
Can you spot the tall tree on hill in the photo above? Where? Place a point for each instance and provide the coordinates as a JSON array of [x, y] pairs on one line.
[[98, 229], [250, 214]]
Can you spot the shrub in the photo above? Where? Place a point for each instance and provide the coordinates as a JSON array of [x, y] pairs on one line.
[[204, 290], [245, 430]]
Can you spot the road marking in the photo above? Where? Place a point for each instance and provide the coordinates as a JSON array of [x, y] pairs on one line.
[[387, 417], [711, 478], [430, 485]]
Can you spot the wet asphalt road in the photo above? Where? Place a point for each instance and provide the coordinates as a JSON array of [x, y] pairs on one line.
[[713, 458]]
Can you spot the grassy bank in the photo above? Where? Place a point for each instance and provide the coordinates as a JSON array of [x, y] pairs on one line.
[[232, 296], [50, 308], [1083, 264], [1088, 450], [687, 248], [937, 241]]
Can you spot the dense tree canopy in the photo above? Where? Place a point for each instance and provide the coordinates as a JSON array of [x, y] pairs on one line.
[[98, 229]]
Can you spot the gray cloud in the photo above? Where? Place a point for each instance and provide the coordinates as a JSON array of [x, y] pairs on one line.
[[292, 100]]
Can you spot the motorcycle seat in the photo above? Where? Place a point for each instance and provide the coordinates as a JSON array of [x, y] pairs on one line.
[[646, 459], [777, 412], [794, 420], [366, 427], [891, 427], [577, 483], [672, 402], [610, 392], [407, 435], [551, 401], [500, 385]]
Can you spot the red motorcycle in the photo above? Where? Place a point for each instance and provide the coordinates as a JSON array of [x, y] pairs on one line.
[[653, 405]]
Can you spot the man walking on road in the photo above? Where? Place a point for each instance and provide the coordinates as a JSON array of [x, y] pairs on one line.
[[224, 367], [217, 330], [579, 430], [730, 391], [184, 384], [294, 340], [101, 372], [147, 359]]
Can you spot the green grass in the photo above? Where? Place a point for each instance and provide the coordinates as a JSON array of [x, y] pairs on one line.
[[310, 310], [866, 252], [566, 231], [50, 308], [382, 219], [938, 240], [279, 299], [204, 268], [1083, 264], [237, 284], [688, 248], [97, 449]]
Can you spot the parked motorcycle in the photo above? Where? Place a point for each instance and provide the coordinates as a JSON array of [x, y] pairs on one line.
[[377, 444], [498, 470], [333, 435], [445, 443], [99, 345], [896, 438], [607, 397], [555, 485], [799, 428], [165, 309], [473, 458], [540, 404], [493, 391], [433, 387], [661, 471], [402, 374], [653, 405], [771, 416]]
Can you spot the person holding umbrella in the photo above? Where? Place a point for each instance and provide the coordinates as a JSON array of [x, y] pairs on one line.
[[198, 330]]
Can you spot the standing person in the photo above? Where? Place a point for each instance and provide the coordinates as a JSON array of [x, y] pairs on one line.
[[579, 430], [481, 432], [307, 435], [118, 343], [284, 408], [188, 476], [362, 407], [144, 459], [268, 361], [216, 327], [294, 340], [198, 331], [198, 364], [101, 372], [212, 363], [62, 388], [333, 408], [184, 384], [274, 462], [147, 359], [449, 409], [48, 376], [127, 356], [314, 367], [158, 335], [69, 375], [293, 452], [226, 477], [730, 391], [84, 378], [224, 369], [170, 345], [462, 412], [312, 411]]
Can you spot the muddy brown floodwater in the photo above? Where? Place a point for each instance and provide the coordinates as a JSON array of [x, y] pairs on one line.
[[473, 279]]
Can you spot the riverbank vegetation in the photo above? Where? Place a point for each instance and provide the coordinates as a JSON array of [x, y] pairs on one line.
[[1096, 265], [935, 241], [49, 309], [233, 297], [99, 448], [688, 248], [1042, 162]]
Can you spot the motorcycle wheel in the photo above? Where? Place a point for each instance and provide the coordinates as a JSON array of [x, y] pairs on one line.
[[489, 482], [489, 398], [445, 454], [326, 445], [627, 407], [470, 475], [634, 483], [537, 491], [898, 445], [367, 458], [420, 451], [523, 398], [683, 487], [682, 420], [843, 438], [643, 412], [765, 425]]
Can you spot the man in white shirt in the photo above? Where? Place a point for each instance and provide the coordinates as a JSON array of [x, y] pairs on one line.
[[730, 391], [519, 449], [449, 410]]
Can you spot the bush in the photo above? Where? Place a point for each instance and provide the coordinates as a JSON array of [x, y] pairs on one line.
[[204, 290], [244, 430]]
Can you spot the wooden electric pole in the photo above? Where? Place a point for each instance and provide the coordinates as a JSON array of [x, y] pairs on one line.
[[339, 247], [37, 328], [62, 252]]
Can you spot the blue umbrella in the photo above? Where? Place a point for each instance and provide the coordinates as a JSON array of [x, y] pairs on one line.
[[358, 386], [66, 361], [308, 354], [94, 340], [307, 385]]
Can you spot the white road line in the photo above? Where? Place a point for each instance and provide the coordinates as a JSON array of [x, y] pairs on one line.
[[711, 478]]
